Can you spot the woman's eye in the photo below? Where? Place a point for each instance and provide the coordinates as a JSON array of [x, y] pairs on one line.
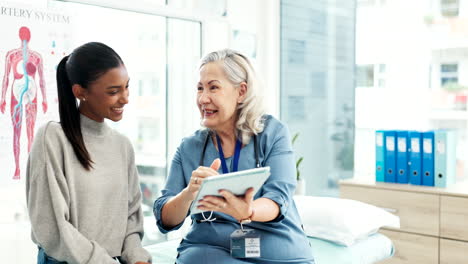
[[113, 92], [213, 87], [199, 88]]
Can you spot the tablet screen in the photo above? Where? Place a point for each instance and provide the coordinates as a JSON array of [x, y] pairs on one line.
[[236, 182]]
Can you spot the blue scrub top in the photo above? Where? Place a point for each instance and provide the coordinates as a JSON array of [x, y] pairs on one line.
[[282, 239]]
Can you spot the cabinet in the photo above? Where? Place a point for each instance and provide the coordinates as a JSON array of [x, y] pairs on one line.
[[433, 225]]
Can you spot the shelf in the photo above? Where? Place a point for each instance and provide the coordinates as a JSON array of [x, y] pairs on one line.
[[459, 189]]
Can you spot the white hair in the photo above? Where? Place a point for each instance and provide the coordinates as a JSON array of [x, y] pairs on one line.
[[251, 110]]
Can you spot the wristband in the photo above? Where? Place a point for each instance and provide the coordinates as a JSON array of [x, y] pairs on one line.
[[248, 220]]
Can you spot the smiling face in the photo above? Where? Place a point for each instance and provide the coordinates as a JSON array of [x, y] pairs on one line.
[[217, 97], [105, 97]]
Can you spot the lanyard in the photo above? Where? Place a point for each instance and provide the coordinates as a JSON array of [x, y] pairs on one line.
[[236, 155], [207, 139], [223, 161]]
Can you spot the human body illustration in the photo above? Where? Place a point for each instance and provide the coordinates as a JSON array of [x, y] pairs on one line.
[[25, 65]]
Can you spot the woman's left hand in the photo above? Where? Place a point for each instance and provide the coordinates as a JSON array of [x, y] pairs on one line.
[[239, 207]]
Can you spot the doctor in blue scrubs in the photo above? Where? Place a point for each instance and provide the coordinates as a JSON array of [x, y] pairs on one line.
[[236, 135]]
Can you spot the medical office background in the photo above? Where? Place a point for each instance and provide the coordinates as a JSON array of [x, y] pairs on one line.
[[334, 71]]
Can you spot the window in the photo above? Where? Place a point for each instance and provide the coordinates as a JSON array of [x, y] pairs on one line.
[[424, 84], [380, 76], [362, 3], [370, 3], [448, 74], [372, 75], [208, 7], [449, 8], [365, 75], [317, 88]]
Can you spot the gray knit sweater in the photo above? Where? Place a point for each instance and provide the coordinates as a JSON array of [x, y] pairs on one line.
[[80, 216]]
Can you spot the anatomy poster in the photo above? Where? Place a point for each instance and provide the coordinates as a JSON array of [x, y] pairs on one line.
[[33, 42]]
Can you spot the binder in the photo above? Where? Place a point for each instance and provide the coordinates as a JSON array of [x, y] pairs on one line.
[[415, 158], [390, 156], [379, 156], [428, 158], [402, 157], [444, 158]]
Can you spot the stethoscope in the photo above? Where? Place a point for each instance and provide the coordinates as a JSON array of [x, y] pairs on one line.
[[207, 139]]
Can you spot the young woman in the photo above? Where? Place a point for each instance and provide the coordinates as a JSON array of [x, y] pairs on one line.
[[82, 185]]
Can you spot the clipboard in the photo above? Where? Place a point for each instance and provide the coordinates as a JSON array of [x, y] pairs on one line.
[[236, 182]]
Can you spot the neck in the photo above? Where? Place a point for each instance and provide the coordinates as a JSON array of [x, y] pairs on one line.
[[227, 135], [91, 127], [84, 111]]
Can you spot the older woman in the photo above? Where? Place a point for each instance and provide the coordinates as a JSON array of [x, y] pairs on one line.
[[237, 136]]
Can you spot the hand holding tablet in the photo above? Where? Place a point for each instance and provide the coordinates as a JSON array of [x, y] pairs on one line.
[[235, 182]]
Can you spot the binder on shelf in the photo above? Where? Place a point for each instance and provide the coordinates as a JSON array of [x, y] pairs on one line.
[[428, 158], [415, 157], [402, 157], [390, 156], [379, 156], [444, 158]]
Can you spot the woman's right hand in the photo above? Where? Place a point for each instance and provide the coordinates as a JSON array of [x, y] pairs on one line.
[[199, 175]]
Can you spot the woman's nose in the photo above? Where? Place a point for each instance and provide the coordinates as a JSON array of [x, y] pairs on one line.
[[203, 98], [124, 97]]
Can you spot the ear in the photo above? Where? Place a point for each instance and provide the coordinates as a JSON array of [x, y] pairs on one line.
[[242, 92], [79, 91]]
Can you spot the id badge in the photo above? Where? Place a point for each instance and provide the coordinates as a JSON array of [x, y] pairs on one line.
[[245, 244]]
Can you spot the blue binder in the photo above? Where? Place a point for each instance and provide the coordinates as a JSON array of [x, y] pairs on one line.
[[444, 158], [390, 156], [428, 158], [402, 157], [379, 156], [415, 157]]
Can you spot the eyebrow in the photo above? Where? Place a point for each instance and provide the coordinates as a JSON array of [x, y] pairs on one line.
[[118, 86], [210, 81]]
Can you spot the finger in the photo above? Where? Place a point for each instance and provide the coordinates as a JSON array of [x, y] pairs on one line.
[[199, 177], [208, 206], [203, 208], [227, 195], [249, 194], [209, 170], [216, 164], [219, 202], [203, 172], [195, 180], [211, 207]]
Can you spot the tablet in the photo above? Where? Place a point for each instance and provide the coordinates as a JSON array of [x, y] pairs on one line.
[[236, 182]]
